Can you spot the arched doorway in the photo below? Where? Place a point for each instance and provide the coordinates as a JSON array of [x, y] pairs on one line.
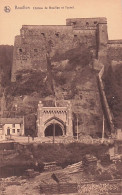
[[53, 128]]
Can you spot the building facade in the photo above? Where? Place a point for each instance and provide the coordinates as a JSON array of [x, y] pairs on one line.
[[12, 126], [54, 121]]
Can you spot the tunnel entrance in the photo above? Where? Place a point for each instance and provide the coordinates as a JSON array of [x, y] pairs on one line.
[[53, 128]]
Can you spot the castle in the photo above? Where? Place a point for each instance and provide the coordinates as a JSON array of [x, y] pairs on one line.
[[37, 43]]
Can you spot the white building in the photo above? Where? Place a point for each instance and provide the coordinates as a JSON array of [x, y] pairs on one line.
[[12, 126]]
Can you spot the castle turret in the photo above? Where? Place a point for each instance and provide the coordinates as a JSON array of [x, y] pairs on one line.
[[102, 35]]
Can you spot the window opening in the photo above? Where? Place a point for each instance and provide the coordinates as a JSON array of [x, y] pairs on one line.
[[57, 34], [35, 50], [74, 23], [20, 50], [43, 34]]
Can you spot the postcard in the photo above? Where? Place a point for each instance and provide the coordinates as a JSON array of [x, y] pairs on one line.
[[60, 97]]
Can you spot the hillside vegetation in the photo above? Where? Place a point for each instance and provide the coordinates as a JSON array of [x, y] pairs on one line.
[[68, 74], [29, 81], [6, 57]]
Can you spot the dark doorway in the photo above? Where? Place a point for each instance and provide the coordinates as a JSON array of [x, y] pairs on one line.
[[8, 131], [49, 130]]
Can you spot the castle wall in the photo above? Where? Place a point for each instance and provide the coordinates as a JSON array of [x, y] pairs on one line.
[[99, 27], [114, 50], [85, 22], [37, 41]]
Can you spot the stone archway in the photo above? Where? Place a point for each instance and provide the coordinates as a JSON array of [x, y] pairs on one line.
[[53, 129], [54, 124], [60, 116]]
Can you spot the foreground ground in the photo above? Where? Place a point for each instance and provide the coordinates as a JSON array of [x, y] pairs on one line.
[[29, 186], [87, 165]]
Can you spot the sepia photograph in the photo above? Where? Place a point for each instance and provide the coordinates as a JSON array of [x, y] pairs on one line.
[[61, 97]]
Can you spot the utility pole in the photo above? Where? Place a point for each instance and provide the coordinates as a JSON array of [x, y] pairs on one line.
[[77, 128], [103, 130], [83, 123], [23, 133]]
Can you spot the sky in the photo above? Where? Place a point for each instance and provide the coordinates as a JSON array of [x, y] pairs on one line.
[[12, 22]]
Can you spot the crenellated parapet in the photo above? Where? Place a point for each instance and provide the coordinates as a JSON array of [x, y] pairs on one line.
[[85, 22]]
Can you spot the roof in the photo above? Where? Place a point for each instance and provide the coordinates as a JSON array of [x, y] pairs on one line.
[[11, 120]]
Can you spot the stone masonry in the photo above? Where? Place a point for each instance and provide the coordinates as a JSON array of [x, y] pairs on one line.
[[62, 116], [36, 41]]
